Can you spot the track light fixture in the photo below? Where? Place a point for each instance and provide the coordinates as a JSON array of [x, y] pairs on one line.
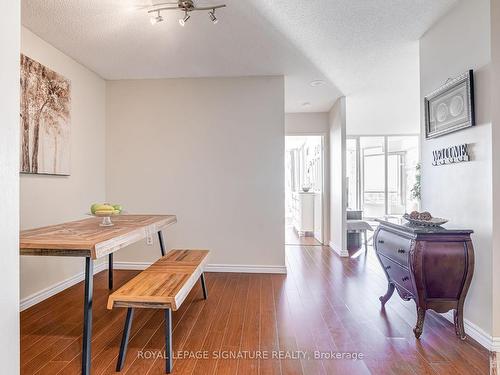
[[187, 6], [157, 19], [213, 18], [183, 21]]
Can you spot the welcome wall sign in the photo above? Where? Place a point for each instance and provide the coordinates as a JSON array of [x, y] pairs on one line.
[[451, 155]]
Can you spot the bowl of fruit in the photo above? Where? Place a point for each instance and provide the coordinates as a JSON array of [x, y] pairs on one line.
[[106, 211]]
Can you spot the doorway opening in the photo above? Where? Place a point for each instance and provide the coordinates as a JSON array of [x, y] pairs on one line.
[[304, 190]]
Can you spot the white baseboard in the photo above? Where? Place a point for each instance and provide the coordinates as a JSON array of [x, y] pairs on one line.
[[340, 252], [245, 268], [57, 287], [474, 332], [210, 267]]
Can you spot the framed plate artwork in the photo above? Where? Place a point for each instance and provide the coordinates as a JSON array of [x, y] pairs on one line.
[[451, 107]]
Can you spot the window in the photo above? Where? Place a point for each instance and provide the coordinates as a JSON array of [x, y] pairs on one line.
[[372, 176], [406, 148], [381, 170]]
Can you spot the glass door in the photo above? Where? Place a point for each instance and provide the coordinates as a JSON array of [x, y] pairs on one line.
[[381, 171], [373, 176], [403, 157]]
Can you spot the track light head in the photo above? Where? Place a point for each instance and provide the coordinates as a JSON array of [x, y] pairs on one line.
[[183, 21], [157, 19], [213, 18]]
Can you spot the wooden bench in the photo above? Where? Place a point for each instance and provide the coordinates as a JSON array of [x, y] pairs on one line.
[[163, 285]]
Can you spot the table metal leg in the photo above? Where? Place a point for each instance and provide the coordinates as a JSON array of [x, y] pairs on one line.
[[203, 286], [162, 245], [168, 341], [366, 242], [110, 271], [87, 315]]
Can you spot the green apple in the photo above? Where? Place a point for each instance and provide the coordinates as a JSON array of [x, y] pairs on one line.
[[118, 207], [94, 207]]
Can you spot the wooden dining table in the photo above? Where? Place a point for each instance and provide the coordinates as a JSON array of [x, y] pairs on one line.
[[86, 238]]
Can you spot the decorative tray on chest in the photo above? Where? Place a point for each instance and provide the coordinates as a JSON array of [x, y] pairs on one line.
[[431, 222]]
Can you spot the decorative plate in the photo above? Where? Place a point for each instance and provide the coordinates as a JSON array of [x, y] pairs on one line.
[[434, 222]]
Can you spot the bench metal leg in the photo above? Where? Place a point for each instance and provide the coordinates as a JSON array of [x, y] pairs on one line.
[[203, 286], [110, 271], [162, 245], [87, 315], [168, 341], [125, 338]]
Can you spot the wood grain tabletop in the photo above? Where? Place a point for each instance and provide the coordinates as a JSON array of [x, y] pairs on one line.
[[83, 238]]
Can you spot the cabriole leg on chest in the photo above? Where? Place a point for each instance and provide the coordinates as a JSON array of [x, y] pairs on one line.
[[388, 294], [458, 318], [419, 327]]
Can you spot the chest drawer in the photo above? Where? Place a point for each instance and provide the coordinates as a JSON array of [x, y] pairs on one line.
[[397, 274], [393, 246]]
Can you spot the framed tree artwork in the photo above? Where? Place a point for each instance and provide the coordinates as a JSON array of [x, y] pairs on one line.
[[45, 120], [451, 107]]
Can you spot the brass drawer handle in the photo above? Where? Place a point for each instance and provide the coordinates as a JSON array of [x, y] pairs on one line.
[[401, 251], [406, 278]]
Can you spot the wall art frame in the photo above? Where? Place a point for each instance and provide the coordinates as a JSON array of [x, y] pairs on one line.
[[451, 107]]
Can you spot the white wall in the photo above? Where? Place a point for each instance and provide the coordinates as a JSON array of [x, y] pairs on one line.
[[338, 234], [208, 150], [391, 107], [9, 186], [495, 116], [463, 192], [49, 200], [306, 123]]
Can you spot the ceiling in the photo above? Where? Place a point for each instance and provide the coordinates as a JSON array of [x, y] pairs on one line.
[[355, 42], [349, 44]]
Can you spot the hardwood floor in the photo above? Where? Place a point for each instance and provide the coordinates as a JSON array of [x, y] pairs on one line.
[[291, 238], [324, 304]]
